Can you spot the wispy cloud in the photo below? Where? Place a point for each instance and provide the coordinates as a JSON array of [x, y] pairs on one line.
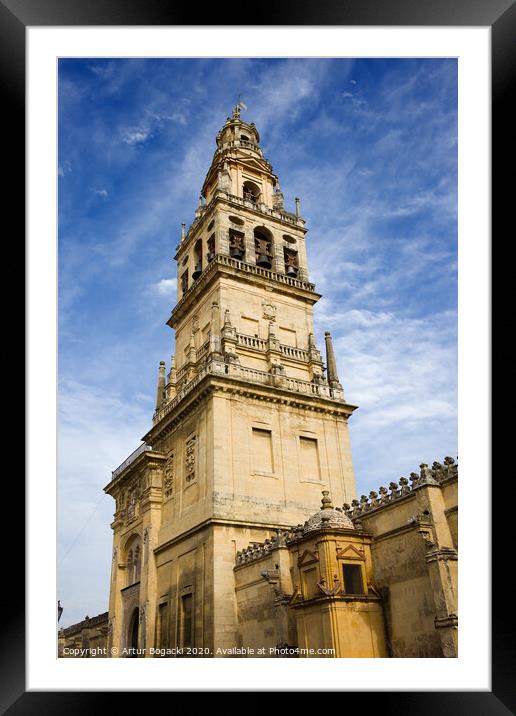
[[97, 430], [166, 287], [372, 154], [64, 168], [135, 135]]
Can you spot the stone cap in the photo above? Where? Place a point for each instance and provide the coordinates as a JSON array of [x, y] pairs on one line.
[[328, 517]]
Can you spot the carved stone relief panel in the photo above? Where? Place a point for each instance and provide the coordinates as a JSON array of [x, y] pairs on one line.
[[190, 459], [269, 311], [168, 483]]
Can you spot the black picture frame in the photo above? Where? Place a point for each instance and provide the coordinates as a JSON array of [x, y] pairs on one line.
[[500, 15]]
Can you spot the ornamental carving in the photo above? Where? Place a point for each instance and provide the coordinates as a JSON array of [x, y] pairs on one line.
[[190, 458], [224, 180], [269, 311], [132, 497], [131, 507], [168, 483]]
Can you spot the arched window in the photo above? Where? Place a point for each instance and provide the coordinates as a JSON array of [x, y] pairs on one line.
[[133, 561], [291, 262], [197, 260], [252, 192], [137, 564]]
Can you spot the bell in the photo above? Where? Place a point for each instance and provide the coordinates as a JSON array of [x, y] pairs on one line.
[[263, 261], [292, 271], [197, 272], [236, 253]]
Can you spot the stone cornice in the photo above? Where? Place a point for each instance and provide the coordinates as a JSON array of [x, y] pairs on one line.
[[219, 521], [223, 265], [211, 383], [334, 598], [144, 459]]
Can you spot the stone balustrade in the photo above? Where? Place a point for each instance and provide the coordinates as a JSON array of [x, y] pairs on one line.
[[132, 457], [225, 260], [252, 342], [260, 344], [250, 375]]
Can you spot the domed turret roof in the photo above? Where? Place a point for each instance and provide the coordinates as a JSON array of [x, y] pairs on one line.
[[327, 518]]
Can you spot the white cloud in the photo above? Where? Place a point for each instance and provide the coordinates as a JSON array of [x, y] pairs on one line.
[[101, 192], [401, 372], [166, 287], [136, 135], [64, 168]]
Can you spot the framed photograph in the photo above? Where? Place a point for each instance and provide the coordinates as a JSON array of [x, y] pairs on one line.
[[249, 232]]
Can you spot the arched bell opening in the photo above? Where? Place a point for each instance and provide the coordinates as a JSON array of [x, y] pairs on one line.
[[291, 262], [197, 253], [263, 242], [252, 192], [236, 245]]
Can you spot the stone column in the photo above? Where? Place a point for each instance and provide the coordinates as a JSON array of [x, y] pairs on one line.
[[441, 559], [160, 392], [331, 364], [151, 519], [250, 255], [278, 261]]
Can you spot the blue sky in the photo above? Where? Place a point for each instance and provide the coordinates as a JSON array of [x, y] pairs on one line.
[[370, 147]]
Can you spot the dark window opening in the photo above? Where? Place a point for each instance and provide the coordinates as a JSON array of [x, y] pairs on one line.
[[252, 192], [197, 260], [352, 579], [133, 633]]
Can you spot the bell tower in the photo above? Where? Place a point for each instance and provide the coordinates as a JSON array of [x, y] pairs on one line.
[[248, 426]]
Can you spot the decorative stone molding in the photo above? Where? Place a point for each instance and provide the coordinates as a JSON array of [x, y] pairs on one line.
[[450, 621], [436, 475], [258, 550]]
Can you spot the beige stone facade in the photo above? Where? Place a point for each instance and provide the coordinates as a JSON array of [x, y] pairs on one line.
[[216, 547]]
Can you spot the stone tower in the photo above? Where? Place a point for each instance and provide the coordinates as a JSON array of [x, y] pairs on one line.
[[247, 429]]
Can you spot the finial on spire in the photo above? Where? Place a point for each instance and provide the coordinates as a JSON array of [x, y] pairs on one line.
[[236, 110], [326, 503], [182, 233]]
